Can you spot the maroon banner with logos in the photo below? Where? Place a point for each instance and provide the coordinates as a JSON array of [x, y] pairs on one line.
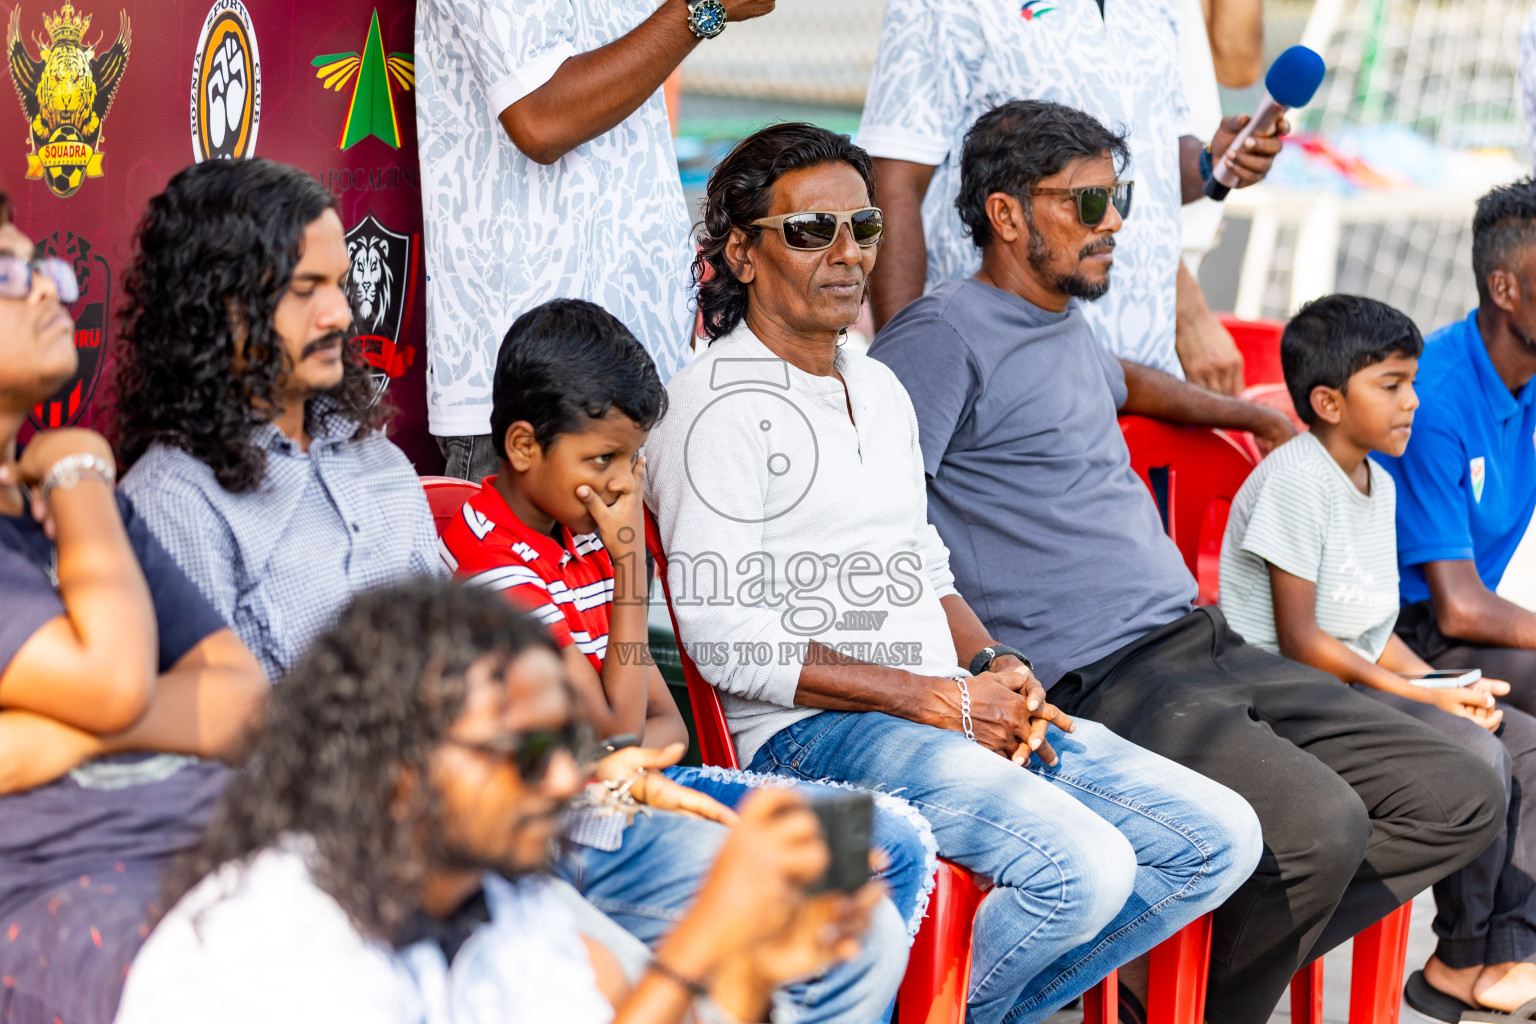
[[110, 98]]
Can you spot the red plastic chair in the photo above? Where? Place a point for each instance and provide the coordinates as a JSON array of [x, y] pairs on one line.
[[445, 496], [1376, 975], [1259, 342], [937, 981], [1193, 474], [1177, 973]]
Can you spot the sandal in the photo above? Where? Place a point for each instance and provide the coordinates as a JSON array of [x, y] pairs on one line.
[[1475, 1016], [1432, 1004]]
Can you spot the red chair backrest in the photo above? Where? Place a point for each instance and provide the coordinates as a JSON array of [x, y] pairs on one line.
[[445, 496], [1193, 474], [715, 747], [1259, 342]]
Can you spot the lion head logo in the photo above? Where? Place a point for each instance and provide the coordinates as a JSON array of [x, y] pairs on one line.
[[381, 281], [371, 281]]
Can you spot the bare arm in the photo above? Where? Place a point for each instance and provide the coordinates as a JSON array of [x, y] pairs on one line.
[[1154, 393], [1399, 657], [593, 92], [1467, 610], [1301, 639], [898, 279], [94, 666], [619, 697], [664, 724], [1206, 350], [204, 706], [1235, 29]]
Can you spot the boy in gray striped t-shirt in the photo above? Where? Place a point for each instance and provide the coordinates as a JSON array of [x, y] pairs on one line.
[[1309, 570]]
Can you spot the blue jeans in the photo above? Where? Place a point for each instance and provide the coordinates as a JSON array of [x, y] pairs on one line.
[[1093, 862], [648, 884]]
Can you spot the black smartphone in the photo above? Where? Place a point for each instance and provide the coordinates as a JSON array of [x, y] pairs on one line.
[[847, 820], [622, 741]]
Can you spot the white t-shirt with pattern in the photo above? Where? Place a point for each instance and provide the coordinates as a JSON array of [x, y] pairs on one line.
[[944, 63], [503, 233], [1300, 512]]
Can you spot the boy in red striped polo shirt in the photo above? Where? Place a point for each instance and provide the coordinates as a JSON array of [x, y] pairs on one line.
[[560, 530]]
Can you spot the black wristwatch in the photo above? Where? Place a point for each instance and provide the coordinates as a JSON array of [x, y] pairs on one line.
[[706, 18], [987, 655]]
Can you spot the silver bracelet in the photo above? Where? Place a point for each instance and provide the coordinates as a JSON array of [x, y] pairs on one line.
[[69, 470], [965, 709]]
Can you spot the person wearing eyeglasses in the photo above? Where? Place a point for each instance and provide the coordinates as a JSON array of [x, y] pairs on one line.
[[384, 859], [787, 484], [120, 686], [1063, 552], [941, 64]]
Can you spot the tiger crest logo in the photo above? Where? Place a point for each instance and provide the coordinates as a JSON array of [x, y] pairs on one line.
[[66, 92]]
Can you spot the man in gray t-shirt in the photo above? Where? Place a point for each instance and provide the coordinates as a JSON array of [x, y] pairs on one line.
[[1017, 415], [1057, 547]]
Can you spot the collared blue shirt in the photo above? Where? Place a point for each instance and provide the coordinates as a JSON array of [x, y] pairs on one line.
[[1466, 486], [282, 561]]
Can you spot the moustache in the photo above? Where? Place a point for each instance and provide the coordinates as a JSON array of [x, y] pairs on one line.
[[335, 338], [1107, 245]]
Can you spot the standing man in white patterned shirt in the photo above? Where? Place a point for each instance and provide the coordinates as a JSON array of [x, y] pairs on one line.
[[943, 63], [547, 171], [256, 453]]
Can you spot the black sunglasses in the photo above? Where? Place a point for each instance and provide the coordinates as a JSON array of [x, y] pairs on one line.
[[16, 277], [817, 229], [1093, 201], [532, 752]]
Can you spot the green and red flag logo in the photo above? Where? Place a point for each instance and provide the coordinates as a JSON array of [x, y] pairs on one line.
[[373, 77]]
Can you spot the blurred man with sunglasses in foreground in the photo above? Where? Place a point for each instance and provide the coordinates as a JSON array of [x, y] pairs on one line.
[[384, 858], [1061, 549], [787, 484]]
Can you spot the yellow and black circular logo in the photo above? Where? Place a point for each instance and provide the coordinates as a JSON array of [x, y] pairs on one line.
[[226, 85]]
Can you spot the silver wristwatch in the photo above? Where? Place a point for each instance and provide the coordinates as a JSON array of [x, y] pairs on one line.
[[706, 18], [69, 470]]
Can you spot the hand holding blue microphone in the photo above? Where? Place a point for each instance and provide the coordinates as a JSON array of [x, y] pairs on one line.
[[1244, 147]]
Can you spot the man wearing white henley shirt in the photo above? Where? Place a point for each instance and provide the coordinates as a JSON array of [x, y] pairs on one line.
[[788, 485]]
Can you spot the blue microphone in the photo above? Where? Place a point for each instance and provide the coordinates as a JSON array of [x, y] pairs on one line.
[[1292, 80]]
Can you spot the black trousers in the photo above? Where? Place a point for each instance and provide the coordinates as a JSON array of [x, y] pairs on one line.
[[1486, 912], [1362, 807], [1417, 627]]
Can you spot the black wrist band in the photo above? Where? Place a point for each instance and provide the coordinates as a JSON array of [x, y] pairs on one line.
[[984, 658], [1212, 188], [696, 989]]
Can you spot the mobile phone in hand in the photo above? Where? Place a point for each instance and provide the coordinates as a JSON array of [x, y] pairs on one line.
[[1445, 679], [613, 744], [847, 822]]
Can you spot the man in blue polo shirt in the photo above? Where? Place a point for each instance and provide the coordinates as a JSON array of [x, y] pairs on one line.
[[1466, 486]]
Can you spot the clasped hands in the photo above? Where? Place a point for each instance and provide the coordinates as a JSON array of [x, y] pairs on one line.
[[1009, 712]]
